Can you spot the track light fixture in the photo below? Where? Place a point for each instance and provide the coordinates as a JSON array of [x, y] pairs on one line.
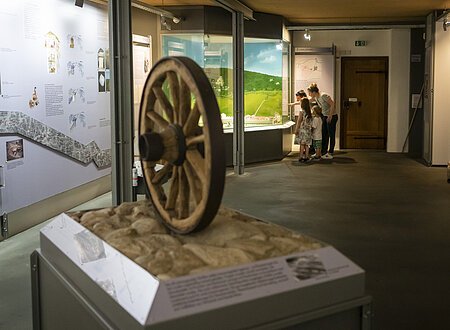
[[158, 11], [307, 35], [79, 3], [165, 23], [446, 24]]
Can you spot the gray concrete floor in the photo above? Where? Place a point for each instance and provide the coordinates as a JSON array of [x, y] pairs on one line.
[[387, 213]]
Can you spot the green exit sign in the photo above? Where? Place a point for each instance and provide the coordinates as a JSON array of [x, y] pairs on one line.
[[360, 43]]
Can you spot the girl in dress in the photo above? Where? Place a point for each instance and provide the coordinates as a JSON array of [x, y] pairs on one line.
[[303, 130]]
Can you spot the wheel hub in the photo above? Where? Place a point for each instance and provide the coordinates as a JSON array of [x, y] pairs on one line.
[[168, 145]]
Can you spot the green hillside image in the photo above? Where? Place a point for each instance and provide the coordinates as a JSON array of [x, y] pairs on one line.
[[262, 95]]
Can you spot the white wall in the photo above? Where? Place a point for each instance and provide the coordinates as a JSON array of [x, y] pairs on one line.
[[392, 43], [441, 107], [41, 173], [398, 108]]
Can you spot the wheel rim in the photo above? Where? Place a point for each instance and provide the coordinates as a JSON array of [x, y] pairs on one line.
[[180, 128]]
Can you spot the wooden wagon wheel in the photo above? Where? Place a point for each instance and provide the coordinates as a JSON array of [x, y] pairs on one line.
[[180, 128]]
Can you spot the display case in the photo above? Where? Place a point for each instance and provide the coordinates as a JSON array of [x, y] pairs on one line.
[[81, 281], [266, 74], [205, 35]]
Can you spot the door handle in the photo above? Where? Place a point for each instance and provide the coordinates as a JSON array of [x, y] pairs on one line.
[[346, 104]]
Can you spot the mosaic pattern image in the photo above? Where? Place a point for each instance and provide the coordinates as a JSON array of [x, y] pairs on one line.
[[17, 123]]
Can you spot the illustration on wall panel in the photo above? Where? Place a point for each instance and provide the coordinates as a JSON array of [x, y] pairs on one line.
[[101, 59], [14, 149], [103, 73], [18, 123], [52, 45], [101, 81], [75, 66], [74, 92], [75, 41], [34, 101], [75, 119]]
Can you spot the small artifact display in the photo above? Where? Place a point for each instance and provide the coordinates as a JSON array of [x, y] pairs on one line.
[[232, 239], [180, 128], [34, 101]]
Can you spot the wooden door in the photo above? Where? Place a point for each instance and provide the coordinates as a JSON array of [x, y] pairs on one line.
[[364, 102]]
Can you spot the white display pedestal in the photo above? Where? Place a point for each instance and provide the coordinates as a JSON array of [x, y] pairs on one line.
[[80, 282]]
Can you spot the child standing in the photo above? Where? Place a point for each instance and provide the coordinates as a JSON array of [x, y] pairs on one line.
[[303, 130], [317, 131]]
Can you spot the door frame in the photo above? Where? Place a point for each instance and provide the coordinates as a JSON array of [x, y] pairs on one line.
[[342, 126]]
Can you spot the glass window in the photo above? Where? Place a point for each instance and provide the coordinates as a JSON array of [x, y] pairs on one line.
[[214, 54], [265, 75]]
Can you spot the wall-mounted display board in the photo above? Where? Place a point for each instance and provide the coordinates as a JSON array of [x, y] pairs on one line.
[[142, 63], [54, 98], [315, 65]]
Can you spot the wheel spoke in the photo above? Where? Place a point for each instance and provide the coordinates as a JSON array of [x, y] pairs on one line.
[[173, 193], [183, 192], [148, 164], [174, 93], [192, 180], [185, 102], [160, 121], [161, 194], [195, 140], [164, 102], [192, 121], [197, 163], [162, 173]]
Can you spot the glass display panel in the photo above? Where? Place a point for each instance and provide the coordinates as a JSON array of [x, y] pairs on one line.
[[266, 74], [263, 82], [214, 54]]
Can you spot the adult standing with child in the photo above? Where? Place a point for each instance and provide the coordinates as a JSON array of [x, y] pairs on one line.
[[329, 119]]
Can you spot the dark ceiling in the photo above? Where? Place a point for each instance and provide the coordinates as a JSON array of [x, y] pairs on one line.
[[328, 12]]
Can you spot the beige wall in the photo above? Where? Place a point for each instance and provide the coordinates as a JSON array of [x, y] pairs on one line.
[[398, 108], [441, 98], [147, 24], [392, 43]]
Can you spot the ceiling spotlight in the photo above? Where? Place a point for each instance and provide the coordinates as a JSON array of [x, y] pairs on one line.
[[307, 35], [165, 24], [446, 24], [176, 20], [79, 3]]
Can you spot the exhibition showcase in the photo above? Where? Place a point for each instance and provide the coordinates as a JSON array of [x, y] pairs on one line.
[[120, 267]]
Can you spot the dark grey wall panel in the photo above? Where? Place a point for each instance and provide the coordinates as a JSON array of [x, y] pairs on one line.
[[261, 146], [266, 26], [217, 21], [417, 65]]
